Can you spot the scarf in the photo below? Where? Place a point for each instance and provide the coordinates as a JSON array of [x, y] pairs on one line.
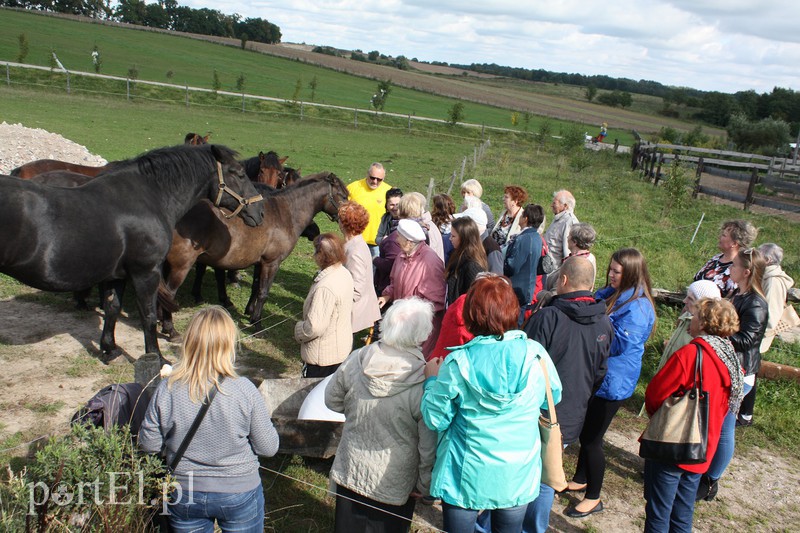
[[724, 350]]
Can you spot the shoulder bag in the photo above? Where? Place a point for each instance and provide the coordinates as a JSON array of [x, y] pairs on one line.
[[678, 432], [552, 445]]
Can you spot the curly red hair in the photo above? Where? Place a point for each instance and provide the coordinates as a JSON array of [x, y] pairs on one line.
[[517, 194], [491, 306], [354, 218]]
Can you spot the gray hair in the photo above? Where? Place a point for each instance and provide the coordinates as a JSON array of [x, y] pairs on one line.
[[742, 232], [583, 235], [473, 187], [772, 253], [407, 323], [412, 205], [376, 165], [565, 197]]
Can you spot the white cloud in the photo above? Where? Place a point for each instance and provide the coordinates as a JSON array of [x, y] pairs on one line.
[[725, 45]]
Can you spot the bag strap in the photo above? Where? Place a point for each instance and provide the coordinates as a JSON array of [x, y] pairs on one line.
[[192, 430], [551, 406], [698, 367]]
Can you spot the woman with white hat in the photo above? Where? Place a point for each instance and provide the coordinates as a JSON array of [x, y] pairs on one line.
[[417, 271]]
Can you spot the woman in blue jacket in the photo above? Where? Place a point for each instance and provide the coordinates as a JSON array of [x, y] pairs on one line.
[[484, 401], [629, 304], [523, 254]]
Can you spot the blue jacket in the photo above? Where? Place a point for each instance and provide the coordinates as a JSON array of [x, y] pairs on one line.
[[522, 259], [485, 405], [633, 321]]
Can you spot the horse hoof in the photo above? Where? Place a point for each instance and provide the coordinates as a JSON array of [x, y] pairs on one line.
[[109, 355], [174, 337]]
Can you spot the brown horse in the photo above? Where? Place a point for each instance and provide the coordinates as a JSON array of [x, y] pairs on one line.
[[40, 166], [204, 235], [267, 169], [195, 139]]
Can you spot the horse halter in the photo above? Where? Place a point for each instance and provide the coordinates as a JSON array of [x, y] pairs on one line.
[[332, 200], [243, 202]]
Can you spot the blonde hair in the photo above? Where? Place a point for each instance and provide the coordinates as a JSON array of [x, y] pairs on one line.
[[717, 317], [209, 351], [412, 205]]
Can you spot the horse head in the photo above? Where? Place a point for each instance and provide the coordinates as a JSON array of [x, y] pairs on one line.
[[270, 170], [233, 190], [337, 195], [195, 139]]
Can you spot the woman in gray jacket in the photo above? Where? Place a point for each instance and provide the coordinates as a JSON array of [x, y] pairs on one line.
[[384, 460]]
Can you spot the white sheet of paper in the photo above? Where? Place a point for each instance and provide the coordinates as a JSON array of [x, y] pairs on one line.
[[314, 407]]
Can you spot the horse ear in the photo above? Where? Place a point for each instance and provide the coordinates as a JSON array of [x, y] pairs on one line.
[[282, 161], [218, 154], [261, 156], [206, 138]]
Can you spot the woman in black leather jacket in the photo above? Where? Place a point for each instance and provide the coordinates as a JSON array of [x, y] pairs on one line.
[[747, 272]]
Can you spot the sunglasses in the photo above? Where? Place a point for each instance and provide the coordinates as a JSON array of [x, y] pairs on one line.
[[373, 178]]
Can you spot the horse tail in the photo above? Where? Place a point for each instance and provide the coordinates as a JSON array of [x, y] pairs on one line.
[[165, 298]]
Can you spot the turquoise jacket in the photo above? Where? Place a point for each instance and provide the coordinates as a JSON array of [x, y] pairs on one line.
[[485, 405]]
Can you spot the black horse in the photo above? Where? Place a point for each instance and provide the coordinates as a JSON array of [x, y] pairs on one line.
[[117, 226]]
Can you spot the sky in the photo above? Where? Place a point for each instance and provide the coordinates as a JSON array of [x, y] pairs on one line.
[[728, 46]]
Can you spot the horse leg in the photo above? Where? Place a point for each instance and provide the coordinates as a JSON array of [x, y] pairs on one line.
[[173, 279], [233, 277], [79, 297], [197, 288], [146, 286], [254, 290], [112, 306], [268, 272], [222, 290]]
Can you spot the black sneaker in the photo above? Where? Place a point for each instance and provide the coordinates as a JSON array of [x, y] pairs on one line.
[[743, 422]]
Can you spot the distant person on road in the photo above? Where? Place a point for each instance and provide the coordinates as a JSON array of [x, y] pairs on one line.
[[371, 193]]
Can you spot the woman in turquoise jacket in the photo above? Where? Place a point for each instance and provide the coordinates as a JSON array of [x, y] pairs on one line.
[[484, 401], [629, 302]]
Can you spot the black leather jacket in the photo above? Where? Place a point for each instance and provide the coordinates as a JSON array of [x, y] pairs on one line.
[[753, 312]]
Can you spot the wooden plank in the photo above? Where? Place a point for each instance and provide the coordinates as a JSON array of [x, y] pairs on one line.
[[718, 162], [711, 151]]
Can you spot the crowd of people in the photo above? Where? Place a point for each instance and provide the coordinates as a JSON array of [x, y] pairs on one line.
[[469, 320]]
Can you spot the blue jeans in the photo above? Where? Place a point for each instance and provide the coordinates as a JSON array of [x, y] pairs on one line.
[[460, 520], [537, 516], [242, 512], [727, 444], [670, 493]]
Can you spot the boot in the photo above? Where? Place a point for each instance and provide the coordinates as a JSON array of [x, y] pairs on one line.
[[713, 487], [702, 488]]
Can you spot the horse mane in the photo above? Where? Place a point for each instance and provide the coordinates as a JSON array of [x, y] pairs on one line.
[[180, 160], [271, 160]]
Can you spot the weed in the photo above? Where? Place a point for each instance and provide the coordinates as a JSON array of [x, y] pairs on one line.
[[44, 407]]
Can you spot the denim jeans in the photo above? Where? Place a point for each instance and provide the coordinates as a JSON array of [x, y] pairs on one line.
[[241, 512], [460, 520], [670, 493], [727, 444], [537, 516]]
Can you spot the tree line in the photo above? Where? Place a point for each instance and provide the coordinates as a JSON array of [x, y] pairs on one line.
[[164, 14]]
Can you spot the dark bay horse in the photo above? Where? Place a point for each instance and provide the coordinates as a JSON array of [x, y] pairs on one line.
[[195, 139], [117, 226], [205, 236], [267, 169]]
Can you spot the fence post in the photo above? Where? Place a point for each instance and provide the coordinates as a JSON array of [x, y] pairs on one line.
[[355, 118], [68, 91], [463, 165], [658, 170], [748, 201], [635, 155], [482, 128], [431, 185], [409, 123], [242, 102], [128, 89], [187, 95], [652, 164], [698, 175], [452, 181], [474, 158], [301, 110], [616, 145], [8, 75]]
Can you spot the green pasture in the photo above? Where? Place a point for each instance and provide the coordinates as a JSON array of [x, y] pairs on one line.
[[184, 61]]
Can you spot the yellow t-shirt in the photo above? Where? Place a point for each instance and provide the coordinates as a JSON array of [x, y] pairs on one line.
[[374, 201]]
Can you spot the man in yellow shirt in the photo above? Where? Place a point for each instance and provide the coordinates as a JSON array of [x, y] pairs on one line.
[[371, 193]]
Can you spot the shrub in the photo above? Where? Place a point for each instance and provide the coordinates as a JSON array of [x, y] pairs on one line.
[[676, 187], [456, 113], [23, 47], [378, 100]]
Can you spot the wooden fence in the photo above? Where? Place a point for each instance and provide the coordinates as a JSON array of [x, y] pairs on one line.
[[725, 174]]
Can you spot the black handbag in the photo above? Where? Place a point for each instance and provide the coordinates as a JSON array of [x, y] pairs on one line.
[[678, 432]]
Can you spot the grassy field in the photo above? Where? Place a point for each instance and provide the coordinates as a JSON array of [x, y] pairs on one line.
[[182, 60], [625, 210]]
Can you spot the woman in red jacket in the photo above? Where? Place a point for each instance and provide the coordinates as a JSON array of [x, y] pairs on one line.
[[670, 488]]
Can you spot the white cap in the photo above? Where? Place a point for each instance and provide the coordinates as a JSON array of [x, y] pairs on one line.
[[475, 213], [704, 289], [411, 230]]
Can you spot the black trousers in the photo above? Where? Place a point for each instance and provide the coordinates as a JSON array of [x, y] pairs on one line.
[[592, 460], [316, 371], [358, 514], [749, 401]]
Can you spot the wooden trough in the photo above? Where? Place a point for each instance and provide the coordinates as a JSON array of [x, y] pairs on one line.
[[309, 438]]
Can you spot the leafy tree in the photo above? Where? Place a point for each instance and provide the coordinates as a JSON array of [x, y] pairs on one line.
[[696, 137], [243, 41], [22, 39], [456, 113], [216, 83], [572, 139], [298, 86], [717, 108], [378, 100], [374, 55], [240, 82], [677, 188], [313, 86], [97, 61], [156, 16], [131, 11], [768, 136], [526, 120], [591, 92], [545, 132], [669, 134], [401, 62], [616, 98], [133, 73]]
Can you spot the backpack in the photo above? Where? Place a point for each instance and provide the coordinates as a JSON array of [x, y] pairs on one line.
[[117, 404]]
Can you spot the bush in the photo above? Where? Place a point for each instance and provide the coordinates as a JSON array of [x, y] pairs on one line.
[[767, 136], [90, 479], [23, 47], [456, 113]]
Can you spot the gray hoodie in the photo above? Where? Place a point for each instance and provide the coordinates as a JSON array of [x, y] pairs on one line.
[[386, 450]]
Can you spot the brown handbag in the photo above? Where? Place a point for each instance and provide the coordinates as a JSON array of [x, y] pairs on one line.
[[552, 444]]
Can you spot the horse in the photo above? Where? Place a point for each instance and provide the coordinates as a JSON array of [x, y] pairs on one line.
[[195, 139], [117, 226], [40, 166], [205, 236], [267, 169]]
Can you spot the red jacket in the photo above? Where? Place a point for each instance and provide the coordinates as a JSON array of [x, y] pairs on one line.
[[453, 331], [677, 373]]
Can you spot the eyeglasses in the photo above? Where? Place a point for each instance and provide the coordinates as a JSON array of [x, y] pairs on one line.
[[373, 178]]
